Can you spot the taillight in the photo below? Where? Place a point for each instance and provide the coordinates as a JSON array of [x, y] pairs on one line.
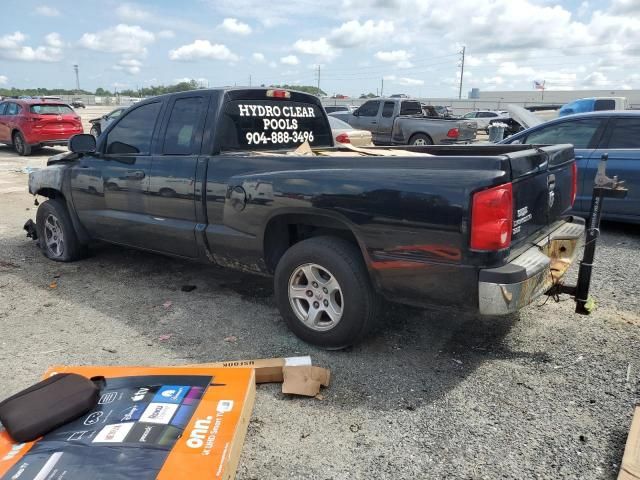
[[278, 94], [492, 218], [34, 119], [343, 138], [574, 182], [453, 133]]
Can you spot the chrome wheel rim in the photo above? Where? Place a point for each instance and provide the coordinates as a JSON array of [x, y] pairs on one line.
[[316, 297], [420, 141], [53, 236], [19, 144]]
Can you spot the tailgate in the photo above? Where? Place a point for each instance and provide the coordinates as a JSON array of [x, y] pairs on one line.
[[543, 185], [467, 130]]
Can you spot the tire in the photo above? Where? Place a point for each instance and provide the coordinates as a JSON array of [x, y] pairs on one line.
[[52, 220], [95, 131], [420, 139], [167, 192], [20, 145], [357, 301]]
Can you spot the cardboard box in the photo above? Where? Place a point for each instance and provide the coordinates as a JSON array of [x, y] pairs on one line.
[[268, 370], [160, 422], [630, 469]]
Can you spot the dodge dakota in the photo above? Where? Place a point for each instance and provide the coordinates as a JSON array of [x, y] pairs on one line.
[[219, 176]]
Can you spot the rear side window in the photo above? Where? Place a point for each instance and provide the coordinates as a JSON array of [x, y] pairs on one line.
[[579, 133], [410, 108], [132, 134], [273, 125], [51, 109], [12, 109], [183, 125], [3, 106], [487, 115], [369, 109], [625, 133], [607, 104], [387, 109]]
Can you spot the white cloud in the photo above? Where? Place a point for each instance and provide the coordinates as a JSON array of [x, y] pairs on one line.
[[399, 57], [12, 48], [497, 80], [166, 34], [47, 11], [132, 13], [129, 65], [130, 39], [405, 81], [53, 40], [354, 33], [258, 57], [320, 48], [512, 69], [290, 60], [233, 25], [202, 49], [596, 80], [4, 79]]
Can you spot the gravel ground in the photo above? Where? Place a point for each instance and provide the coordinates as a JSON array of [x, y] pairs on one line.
[[429, 394]]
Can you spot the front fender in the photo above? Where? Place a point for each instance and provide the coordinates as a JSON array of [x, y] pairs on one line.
[[48, 178]]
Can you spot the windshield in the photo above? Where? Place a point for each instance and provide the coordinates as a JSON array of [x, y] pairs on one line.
[[51, 109], [338, 124]]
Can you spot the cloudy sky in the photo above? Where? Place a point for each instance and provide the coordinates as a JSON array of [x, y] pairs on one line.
[[412, 44]]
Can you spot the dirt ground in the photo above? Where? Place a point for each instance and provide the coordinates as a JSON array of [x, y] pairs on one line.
[[429, 394]]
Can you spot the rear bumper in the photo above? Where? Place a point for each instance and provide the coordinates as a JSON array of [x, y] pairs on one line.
[[508, 288], [50, 143]]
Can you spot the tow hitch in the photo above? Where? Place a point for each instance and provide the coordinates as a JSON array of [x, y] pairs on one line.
[[603, 187]]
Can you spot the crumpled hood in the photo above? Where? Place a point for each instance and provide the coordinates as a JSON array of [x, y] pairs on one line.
[[523, 116]]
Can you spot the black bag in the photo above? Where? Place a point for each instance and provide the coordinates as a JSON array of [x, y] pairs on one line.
[[45, 406]]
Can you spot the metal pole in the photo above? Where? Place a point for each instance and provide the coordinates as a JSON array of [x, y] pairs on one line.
[[464, 48], [318, 79], [75, 68], [381, 86]]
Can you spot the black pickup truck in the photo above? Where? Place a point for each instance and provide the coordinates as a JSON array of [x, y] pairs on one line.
[[213, 175]]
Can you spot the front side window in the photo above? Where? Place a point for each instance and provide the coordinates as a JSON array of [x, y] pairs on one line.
[[470, 115], [579, 133], [132, 135], [3, 106], [115, 114], [182, 126], [369, 109], [486, 115]]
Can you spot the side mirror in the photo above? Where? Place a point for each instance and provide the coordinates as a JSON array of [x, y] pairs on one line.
[[356, 112], [82, 143]]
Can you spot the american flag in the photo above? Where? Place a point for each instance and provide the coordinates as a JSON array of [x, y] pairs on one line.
[[538, 85]]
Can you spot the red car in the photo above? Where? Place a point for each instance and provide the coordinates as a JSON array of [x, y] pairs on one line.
[[28, 124]]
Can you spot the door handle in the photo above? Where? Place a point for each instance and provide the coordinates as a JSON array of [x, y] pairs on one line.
[[135, 174], [579, 157], [374, 122]]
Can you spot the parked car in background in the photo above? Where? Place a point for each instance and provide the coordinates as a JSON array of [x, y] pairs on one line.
[[594, 104], [77, 103], [98, 125], [345, 133], [616, 133], [399, 121], [336, 108], [29, 124], [483, 118]]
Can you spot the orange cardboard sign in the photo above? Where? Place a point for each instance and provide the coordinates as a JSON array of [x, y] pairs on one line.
[[150, 422]]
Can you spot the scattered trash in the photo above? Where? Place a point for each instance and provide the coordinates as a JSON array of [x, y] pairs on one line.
[[459, 362], [231, 339], [304, 435], [110, 350], [167, 336], [354, 427], [167, 304], [26, 170], [188, 288], [56, 275], [5, 264], [319, 397], [53, 285]]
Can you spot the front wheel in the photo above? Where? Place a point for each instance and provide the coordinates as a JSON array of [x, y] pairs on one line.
[[324, 293], [56, 235]]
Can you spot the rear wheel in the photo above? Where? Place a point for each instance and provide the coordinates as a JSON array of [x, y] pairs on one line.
[[420, 139], [324, 293], [56, 235], [20, 145]]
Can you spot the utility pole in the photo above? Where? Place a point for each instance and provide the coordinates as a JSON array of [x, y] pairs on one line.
[[75, 68], [249, 80], [318, 79], [464, 48], [381, 86]]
